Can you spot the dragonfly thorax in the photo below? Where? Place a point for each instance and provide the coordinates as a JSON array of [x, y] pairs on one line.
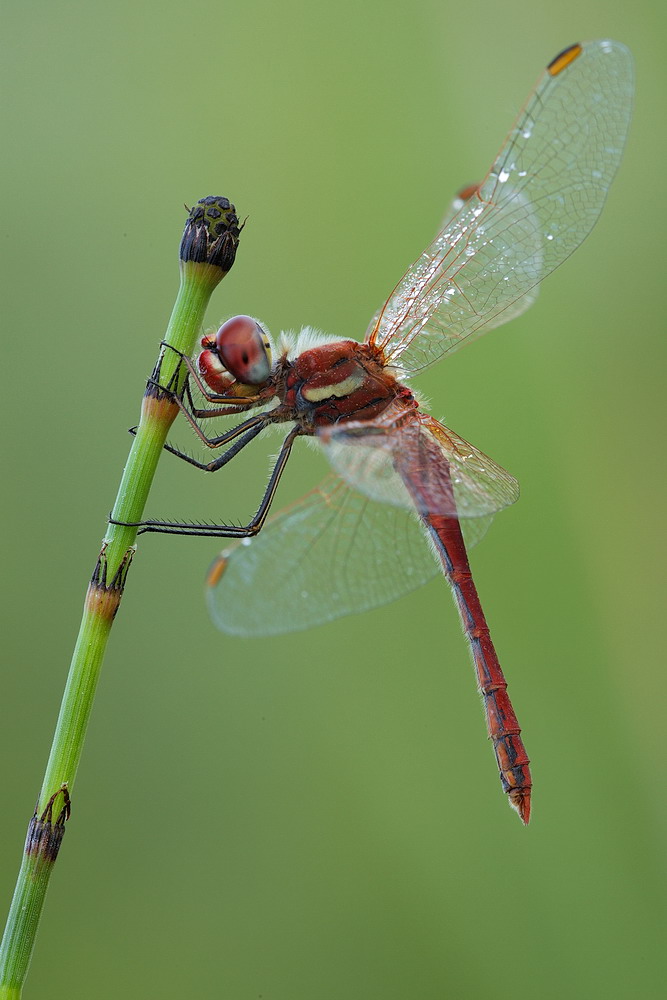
[[343, 380]]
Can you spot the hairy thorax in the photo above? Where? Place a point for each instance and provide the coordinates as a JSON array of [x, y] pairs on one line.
[[343, 380]]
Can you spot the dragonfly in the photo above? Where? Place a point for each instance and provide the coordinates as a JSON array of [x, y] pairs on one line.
[[406, 496]]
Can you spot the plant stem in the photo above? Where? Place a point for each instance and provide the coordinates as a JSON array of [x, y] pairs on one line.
[[199, 277]]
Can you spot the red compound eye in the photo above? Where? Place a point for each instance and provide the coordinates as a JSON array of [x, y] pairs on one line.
[[245, 350]]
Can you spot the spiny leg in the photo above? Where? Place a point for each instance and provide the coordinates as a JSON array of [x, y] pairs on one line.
[[221, 439], [225, 530], [191, 412], [235, 432], [245, 433]]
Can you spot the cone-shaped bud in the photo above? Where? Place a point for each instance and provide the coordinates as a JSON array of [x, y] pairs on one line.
[[211, 234]]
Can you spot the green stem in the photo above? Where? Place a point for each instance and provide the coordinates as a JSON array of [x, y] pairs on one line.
[[198, 280]]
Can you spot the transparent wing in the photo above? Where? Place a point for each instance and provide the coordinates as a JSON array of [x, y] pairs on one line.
[[332, 553], [381, 458], [514, 309], [538, 202]]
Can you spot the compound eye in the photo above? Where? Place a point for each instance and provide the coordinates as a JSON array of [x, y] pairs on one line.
[[245, 350]]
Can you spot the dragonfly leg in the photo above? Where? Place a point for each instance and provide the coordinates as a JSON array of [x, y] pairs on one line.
[[234, 404], [241, 435], [215, 442], [221, 439], [189, 410], [225, 530], [216, 411]]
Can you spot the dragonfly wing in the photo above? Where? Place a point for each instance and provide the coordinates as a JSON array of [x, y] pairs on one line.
[[539, 200], [400, 303], [460, 480], [332, 553]]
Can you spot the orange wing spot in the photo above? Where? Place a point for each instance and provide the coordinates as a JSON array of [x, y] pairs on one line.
[[564, 58], [216, 571], [466, 193]]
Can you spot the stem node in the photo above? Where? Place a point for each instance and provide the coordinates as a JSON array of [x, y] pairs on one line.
[[45, 836], [103, 597]]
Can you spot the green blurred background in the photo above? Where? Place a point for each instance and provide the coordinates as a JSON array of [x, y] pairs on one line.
[[286, 819]]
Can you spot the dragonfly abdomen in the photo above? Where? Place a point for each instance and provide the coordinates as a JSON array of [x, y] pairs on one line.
[[501, 721]]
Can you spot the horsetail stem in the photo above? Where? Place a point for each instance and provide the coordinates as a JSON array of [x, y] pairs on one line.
[[207, 252]]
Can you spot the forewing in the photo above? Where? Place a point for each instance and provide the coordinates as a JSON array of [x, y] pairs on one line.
[[377, 459], [332, 553], [539, 200]]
